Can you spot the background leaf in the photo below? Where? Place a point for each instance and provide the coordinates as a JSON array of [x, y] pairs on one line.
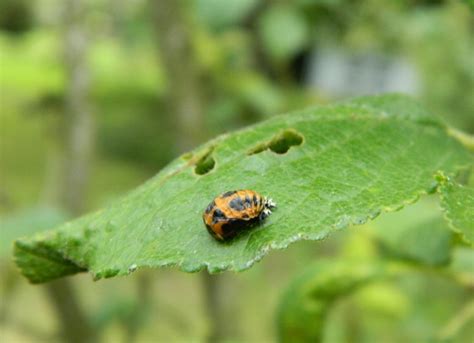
[[418, 233], [305, 304], [343, 165], [458, 203]]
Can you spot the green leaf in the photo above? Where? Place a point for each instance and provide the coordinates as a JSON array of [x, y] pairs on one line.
[[304, 306], [457, 202], [327, 168], [418, 233], [49, 263], [283, 31]]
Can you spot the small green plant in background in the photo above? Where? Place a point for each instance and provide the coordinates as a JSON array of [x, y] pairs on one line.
[[328, 168]]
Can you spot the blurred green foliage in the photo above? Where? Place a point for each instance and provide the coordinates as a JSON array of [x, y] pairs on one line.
[[373, 293], [16, 16], [400, 234], [306, 303]]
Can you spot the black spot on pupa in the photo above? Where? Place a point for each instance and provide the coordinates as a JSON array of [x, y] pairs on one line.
[[236, 204], [255, 201], [230, 230], [210, 207], [247, 202], [234, 227], [228, 194], [218, 215]]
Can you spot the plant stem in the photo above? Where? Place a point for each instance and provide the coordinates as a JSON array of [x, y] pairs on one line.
[[466, 139], [78, 118], [449, 331], [214, 307], [141, 312], [74, 325], [184, 96]]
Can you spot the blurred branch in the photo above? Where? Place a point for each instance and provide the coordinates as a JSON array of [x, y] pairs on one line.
[[141, 311], [214, 307], [352, 324], [449, 331], [74, 324], [75, 157], [182, 76], [466, 139], [9, 287], [78, 123]]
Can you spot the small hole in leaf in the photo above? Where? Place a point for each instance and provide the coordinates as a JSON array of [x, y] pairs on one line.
[[280, 143], [205, 164]]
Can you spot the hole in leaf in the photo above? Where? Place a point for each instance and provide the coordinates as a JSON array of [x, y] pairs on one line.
[[280, 143], [205, 164]]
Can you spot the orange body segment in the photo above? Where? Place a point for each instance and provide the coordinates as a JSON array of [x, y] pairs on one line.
[[229, 212]]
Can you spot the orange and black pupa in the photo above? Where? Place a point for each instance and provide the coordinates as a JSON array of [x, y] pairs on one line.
[[234, 211]]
